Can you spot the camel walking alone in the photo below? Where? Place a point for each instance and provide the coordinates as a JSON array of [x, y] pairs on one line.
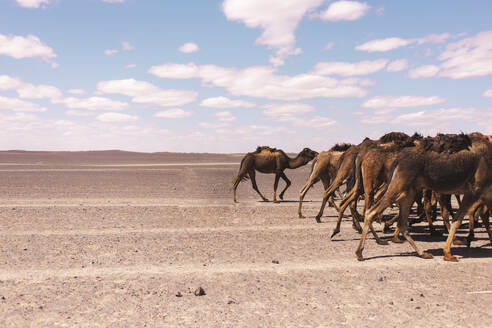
[[270, 160]]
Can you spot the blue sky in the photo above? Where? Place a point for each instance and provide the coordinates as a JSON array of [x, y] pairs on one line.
[[226, 76]]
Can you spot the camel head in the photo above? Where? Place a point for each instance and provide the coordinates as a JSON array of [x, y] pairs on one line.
[[308, 154]]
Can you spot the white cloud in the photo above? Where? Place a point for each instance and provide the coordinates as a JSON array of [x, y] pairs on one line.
[[286, 112], [470, 57], [349, 69], [388, 44], [116, 117], [224, 102], [345, 11], [131, 66], [146, 93], [175, 71], [28, 90], [384, 102], [225, 116], [316, 122], [263, 82], [72, 112], [277, 18], [94, 103], [487, 93], [110, 52], [32, 3], [76, 91], [113, 1], [397, 65], [18, 105], [432, 117], [383, 45], [126, 46], [20, 47], [18, 117], [189, 47], [173, 113], [423, 72]]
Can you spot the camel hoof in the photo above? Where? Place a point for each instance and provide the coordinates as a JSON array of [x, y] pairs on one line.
[[427, 256], [334, 233], [301, 216], [382, 242], [450, 258], [281, 196], [276, 201], [435, 233], [318, 219], [359, 256], [386, 229], [265, 200], [397, 240], [356, 228]]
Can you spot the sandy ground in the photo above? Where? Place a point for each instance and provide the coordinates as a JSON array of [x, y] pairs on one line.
[[107, 239]]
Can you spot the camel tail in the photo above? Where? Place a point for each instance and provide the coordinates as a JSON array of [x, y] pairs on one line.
[[241, 177], [390, 177]]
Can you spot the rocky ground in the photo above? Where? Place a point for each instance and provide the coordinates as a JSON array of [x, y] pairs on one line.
[[116, 239]]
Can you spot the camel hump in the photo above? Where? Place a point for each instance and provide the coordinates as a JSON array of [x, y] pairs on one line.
[[394, 137], [341, 147], [259, 149], [447, 143]]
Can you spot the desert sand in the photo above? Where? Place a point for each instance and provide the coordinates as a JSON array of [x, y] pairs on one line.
[[108, 239]]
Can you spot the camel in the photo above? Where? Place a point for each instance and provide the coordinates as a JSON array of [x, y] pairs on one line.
[[346, 169], [467, 170], [270, 160], [324, 168], [372, 168]]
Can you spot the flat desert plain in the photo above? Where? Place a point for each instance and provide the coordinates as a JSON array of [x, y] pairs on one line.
[[108, 239]]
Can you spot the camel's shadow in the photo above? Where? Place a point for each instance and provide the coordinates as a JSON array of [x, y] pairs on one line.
[[464, 252]]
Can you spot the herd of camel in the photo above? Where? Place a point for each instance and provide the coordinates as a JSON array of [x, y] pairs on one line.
[[395, 169]]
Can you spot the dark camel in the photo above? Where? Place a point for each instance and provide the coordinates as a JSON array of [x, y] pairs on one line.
[[468, 171], [270, 160], [324, 168]]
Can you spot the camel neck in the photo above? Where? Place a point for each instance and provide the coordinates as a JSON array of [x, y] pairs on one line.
[[296, 162]]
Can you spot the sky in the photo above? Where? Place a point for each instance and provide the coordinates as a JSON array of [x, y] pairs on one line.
[[226, 76]]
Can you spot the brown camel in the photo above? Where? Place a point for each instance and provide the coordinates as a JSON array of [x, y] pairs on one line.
[[324, 168], [468, 171], [371, 173], [270, 160], [346, 168]]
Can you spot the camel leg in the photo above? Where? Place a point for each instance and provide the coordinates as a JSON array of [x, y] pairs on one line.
[[331, 200], [390, 222], [252, 175], [236, 183], [275, 185], [446, 210], [323, 204], [343, 206], [405, 205], [287, 181], [374, 211], [471, 226], [468, 202], [486, 223], [428, 212], [303, 192], [355, 217]]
